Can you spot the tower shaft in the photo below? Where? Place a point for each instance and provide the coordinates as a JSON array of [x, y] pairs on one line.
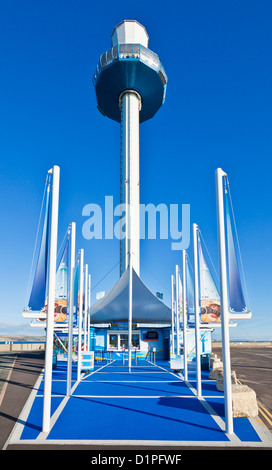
[[130, 84], [130, 105]]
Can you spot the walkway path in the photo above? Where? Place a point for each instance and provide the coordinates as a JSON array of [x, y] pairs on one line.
[[147, 408]]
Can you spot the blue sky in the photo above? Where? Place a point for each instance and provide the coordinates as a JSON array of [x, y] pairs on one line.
[[217, 113]]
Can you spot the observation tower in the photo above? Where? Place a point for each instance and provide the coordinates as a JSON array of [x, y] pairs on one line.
[[130, 84]]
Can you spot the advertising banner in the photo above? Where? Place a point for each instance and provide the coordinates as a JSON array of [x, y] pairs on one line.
[[209, 296]]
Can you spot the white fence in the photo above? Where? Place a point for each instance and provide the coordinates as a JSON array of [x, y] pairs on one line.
[[22, 346]]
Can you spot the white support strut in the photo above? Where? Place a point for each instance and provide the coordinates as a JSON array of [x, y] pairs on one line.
[[197, 332], [172, 315], [71, 306], [130, 105], [177, 309], [224, 300], [184, 307], [51, 301], [80, 312]]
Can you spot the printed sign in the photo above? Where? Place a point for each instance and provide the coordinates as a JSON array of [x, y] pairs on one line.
[[87, 361], [177, 362]]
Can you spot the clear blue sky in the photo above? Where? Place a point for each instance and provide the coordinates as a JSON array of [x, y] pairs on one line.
[[217, 113]]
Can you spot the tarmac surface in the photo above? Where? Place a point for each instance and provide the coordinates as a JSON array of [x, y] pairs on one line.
[[21, 379], [252, 366]]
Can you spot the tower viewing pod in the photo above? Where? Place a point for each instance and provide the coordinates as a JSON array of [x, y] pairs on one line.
[[130, 84]]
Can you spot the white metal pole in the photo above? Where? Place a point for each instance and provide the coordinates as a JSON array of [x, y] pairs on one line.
[[196, 289], [71, 306], [130, 317], [89, 308], [177, 308], [51, 300], [173, 315], [80, 308], [130, 303], [224, 301], [130, 105], [85, 305], [60, 342], [184, 309]]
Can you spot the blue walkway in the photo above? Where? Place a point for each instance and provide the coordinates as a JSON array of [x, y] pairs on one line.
[[149, 404]]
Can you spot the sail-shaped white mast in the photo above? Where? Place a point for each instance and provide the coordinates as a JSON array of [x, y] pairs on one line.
[[51, 300], [80, 310], [71, 306], [196, 289], [224, 301], [184, 309], [85, 304], [172, 315], [177, 309]]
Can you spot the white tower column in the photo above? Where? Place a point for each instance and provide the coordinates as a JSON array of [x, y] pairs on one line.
[[224, 301], [197, 311], [184, 310], [80, 312], [85, 305], [130, 105], [177, 309], [51, 301], [173, 315], [71, 306]]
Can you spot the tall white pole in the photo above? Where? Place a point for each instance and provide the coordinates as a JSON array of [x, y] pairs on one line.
[[130, 105], [80, 308], [89, 308], [196, 289], [51, 300], [71, 306], [177, 309], [184, 309], [173, 315], [85, 305], [224, 301], [130, 318], [130, 302]]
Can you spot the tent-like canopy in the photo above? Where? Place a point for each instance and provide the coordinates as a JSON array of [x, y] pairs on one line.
[[114, 306]]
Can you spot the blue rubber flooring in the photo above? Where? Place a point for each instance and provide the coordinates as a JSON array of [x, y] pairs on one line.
[[150, 403]]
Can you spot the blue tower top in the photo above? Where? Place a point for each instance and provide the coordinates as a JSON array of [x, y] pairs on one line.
[[129, 65]]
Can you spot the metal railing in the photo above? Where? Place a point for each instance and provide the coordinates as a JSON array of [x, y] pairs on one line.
[[130, 51]]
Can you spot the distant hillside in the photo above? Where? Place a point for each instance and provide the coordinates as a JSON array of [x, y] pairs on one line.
[[21, 338]]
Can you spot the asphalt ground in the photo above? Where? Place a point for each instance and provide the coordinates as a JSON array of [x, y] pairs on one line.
[[253, 367], [6, 365], [22, 370]]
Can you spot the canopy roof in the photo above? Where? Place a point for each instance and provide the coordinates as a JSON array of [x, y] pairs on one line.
[[146, 307]]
